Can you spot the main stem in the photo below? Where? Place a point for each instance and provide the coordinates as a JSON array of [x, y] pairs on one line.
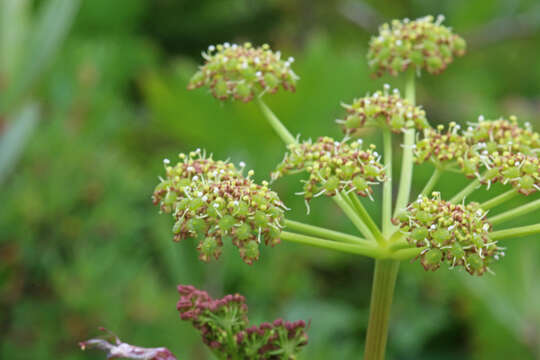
[[384, 280], [382, 294]]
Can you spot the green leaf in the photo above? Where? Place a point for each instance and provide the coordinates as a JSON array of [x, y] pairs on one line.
[[13, 32], [12, 141], [49, 31]]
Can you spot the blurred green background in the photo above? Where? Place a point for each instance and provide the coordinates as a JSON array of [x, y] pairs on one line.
[[98, 108]]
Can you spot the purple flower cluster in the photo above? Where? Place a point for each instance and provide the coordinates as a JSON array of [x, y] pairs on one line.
[[224, 327]]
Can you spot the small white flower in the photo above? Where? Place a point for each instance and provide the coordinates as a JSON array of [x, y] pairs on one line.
[[166, 161]]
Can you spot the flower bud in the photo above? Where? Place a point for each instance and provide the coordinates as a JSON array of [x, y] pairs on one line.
[[212, 200], [242, 72], [333, 167], [384, 110], [455, 234], [421, 44]]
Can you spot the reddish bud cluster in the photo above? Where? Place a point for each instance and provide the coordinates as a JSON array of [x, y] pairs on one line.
[[223, 324]]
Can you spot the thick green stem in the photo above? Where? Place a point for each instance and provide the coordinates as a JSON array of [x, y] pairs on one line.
[[281, 130], [365, 250], [387, 186], [405, 181], [515, 213], [324, 233], [469, 189], [432, 181], [382, 293], [515, 232], [366, 218], [498, 200]]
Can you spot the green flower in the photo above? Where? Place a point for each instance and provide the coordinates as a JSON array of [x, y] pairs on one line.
[[212, 201], [242, 72], [384, 110], [490, 150], [455, 234], [333, 167], [420, 44]]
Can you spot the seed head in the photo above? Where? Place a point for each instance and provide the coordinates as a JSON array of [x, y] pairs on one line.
[[422, 44], [242, 72], [333, 167], [384, 110], [455, 234], [211, 200]]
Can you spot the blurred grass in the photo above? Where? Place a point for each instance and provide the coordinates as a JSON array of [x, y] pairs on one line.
[[81, 245]]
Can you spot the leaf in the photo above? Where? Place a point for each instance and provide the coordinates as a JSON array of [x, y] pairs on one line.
[[13, 32], [49, 31], [12, 141]]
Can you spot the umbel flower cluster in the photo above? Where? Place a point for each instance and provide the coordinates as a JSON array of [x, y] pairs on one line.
[[242, 72], [383, 109], [492, 151], [333, 167], [212, 200], [455, 234], [422, 44], [224, 327]]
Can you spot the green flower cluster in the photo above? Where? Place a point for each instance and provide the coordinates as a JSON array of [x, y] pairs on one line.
[[455, 234], [493, 151], [422, 44], [211, 200], [333, 167], [242, 72], [384, 110]]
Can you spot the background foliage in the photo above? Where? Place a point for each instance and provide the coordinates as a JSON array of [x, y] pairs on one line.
[[81, 245]]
